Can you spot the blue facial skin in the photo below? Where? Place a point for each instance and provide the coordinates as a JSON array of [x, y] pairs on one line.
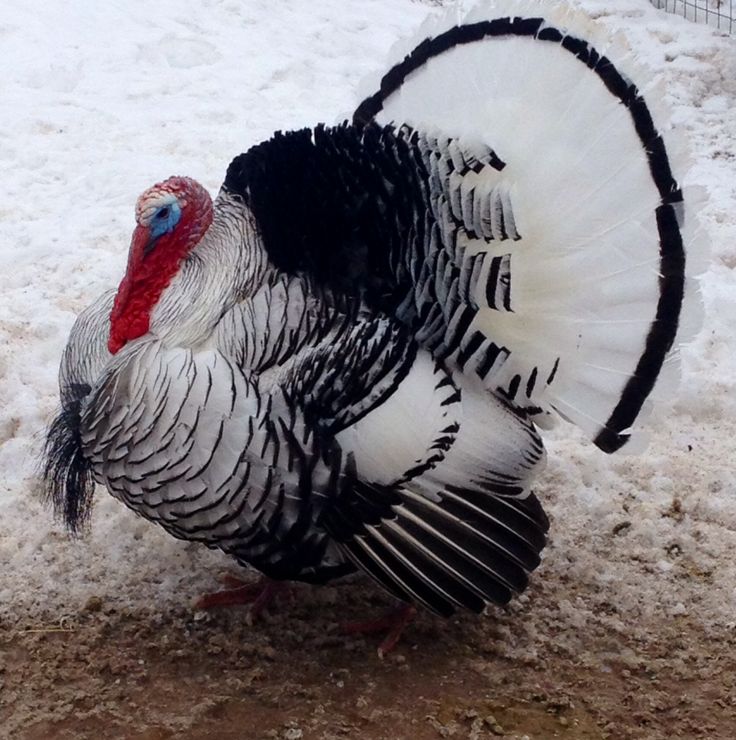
[[164, 220]]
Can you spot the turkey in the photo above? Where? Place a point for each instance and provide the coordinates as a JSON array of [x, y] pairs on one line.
[[342, 362]]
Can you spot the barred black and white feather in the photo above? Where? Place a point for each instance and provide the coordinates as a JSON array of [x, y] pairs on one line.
[[264, 445], [345, 371]]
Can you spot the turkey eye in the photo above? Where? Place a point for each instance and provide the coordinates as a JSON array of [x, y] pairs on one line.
[[163, 213]]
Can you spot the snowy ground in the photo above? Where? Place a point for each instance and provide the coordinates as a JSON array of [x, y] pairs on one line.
[[631, 617]]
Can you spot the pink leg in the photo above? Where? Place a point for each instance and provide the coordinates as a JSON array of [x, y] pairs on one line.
[[260, 595], [392, 623]]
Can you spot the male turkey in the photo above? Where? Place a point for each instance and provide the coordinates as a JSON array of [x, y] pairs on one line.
[[338, 363]]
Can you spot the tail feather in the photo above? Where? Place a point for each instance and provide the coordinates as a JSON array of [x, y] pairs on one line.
[[589, 304]]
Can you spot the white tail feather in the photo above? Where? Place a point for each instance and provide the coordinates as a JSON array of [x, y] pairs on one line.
[[586, 288]]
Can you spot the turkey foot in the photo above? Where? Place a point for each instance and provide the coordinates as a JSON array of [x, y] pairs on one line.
[[392, 623], [260, 595]]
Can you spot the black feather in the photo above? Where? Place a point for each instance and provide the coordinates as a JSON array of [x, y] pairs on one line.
[[68, 479], [355, 203]]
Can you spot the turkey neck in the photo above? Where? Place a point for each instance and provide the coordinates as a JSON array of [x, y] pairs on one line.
[[227, 265]]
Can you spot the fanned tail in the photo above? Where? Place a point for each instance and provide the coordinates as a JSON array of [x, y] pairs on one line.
[[583, 252]]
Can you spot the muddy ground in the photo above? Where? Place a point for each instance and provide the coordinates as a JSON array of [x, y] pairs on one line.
[[530, 670]]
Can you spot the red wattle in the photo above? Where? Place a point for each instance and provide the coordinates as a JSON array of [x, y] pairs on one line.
[[146, 278], [152, 266]]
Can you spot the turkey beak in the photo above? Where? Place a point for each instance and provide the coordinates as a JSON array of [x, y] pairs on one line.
[[139, 244], [143, 243]]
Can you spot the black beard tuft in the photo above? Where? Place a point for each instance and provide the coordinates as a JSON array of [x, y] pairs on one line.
[[68, 478]]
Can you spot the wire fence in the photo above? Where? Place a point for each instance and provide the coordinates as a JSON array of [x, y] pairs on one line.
[[717, 13]]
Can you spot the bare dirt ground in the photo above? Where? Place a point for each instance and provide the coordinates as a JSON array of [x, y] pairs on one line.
[[151, 674]]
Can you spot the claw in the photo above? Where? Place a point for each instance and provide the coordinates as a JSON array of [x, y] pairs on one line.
[[259, 595], [392, 623], [230, 581]]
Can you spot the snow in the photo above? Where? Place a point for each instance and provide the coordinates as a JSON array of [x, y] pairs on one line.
[[718, 13], [102, 100]]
